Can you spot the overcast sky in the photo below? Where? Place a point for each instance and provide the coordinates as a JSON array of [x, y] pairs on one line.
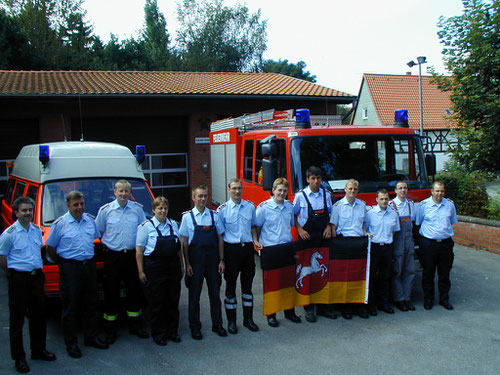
[[338, 40]]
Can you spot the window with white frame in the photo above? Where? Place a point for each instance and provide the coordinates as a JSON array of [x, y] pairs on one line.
[[166, 170], [364, 113]]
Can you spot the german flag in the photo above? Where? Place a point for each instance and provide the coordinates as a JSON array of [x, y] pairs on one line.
[[322, 272]]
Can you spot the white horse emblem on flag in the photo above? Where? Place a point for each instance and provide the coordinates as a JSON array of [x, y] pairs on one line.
[[315, 267]]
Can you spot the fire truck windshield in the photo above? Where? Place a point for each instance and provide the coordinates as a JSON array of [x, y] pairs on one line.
[[96, 193], [376, 161]]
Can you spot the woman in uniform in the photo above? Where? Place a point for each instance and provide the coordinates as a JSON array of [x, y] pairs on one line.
[[160, 266]]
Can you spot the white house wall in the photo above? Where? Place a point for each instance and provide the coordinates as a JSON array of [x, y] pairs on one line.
[[365, 102]]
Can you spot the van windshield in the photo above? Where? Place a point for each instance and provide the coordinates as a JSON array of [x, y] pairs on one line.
[[376, 161], [96, 193]]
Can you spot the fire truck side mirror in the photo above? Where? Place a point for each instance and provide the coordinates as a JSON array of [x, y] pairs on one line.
[[430, 164], [269, 173], [269, 150]]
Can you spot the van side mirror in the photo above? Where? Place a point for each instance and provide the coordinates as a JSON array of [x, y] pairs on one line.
[[430, 164]]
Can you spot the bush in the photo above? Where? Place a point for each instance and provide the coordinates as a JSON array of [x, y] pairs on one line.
[[493, 208], [466, 190]]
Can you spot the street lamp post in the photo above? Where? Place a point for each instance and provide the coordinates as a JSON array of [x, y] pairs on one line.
[[420, 60]]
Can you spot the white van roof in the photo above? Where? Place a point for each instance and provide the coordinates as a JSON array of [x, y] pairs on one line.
[[70, 160]]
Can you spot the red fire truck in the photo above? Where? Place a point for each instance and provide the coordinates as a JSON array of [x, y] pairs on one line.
[[260, 147]]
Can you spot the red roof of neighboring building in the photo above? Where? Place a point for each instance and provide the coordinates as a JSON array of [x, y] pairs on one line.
[[157, 82], [391, 92]]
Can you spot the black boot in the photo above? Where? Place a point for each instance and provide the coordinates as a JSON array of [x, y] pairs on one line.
[[111, 329], [135, 327], [248, 319], [231, 321]]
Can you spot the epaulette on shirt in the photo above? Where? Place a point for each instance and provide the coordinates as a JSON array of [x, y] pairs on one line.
[[58, 220], [220, 207], [144, 222], [138, 204], [91, 216], [11, 229], [336, 204], [263, 203], [104, 206], [246, 200], [186, 212]]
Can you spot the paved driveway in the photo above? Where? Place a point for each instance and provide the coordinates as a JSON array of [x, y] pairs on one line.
[[463, 341]]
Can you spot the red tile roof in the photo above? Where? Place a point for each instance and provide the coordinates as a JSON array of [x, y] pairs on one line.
[[157, 82], [391, 92]]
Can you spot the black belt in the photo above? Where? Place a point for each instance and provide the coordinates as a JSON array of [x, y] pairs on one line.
[[243, 244], [31, 273], [443, 240], [74, 261]]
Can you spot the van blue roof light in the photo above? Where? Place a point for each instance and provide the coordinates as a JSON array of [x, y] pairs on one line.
[[140, 153], [302, 118], [401, 118], [44, 154]]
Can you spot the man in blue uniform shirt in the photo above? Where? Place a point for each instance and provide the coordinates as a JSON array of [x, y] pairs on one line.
[[347, 218], [403, 257], [313, 206], [203, 247], [71, 245], [238, 217], [381, 223], [20, 257], [436, 215], [274, 221], [118, 221]]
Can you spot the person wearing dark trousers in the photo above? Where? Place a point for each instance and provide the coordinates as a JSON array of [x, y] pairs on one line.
[[160, 265], [313, 206], [20, 258], [347, 220], [436, 215], [274, 221], [381, 222], [71, 245], [118, 221], [203, 248], [403, 257], [238, 217]]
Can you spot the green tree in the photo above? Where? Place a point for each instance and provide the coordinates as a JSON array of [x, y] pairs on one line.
[[13, 44], [156, 38], [289, 69], [215, 37], [77, 40], [472, 54]]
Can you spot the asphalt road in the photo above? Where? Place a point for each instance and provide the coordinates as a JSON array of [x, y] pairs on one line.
[[463, 341]]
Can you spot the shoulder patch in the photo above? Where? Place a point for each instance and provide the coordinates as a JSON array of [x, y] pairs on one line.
[[138, 204]]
